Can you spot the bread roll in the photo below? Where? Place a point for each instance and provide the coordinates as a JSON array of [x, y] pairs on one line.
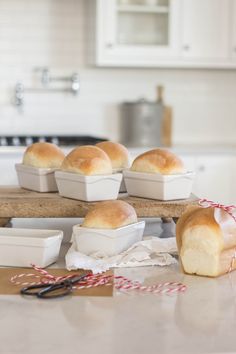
[[117, 153], [43, 155], [206, 240], [87, 160], [110, 215], [158, 161]]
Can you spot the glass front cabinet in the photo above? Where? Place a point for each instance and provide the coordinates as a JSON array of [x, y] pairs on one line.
[[134, 32], [164, 33]]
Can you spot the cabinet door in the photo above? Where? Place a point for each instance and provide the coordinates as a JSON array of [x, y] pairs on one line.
[[134, 33], [205, 29], [7, 167], [213, 178]]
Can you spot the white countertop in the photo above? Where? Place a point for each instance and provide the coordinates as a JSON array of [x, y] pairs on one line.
[[203, 320], [178, 149]]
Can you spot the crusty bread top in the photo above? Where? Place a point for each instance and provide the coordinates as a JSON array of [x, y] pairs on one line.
[[196, 216], [217, 221], [87, 160], [43, 155], [110, 215], [118, 154], [158, 161]]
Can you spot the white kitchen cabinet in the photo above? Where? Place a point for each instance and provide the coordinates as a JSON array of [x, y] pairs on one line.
[[214, 178], [7, 167], [135, 32], [205, 29], [164, 33]]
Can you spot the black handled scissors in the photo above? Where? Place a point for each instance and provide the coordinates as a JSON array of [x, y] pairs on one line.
[[54, 290]]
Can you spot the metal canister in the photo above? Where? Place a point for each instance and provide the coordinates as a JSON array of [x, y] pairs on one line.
[[141, 123]]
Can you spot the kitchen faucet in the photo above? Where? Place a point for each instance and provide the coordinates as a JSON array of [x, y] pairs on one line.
[[46, 79]]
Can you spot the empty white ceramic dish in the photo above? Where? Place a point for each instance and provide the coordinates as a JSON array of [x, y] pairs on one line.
[[23, 247], [108, 242], [88, 188], [36, 179], [157, 186]]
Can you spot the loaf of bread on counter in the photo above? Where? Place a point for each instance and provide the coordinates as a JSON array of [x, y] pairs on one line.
[[158, 161], [110, 215], [43, 155], [206, 240], [118, 154], [87, 160]]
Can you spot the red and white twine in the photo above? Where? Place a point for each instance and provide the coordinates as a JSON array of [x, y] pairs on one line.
[[205, 203], [94, 280]]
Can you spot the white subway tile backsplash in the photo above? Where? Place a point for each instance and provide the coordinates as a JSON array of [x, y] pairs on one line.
[[36, 33]]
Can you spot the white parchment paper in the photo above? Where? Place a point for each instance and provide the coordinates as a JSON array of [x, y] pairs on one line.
[[150, 251]]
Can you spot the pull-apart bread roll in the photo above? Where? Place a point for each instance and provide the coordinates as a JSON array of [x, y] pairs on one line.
[[158, 161], [206, 240], [117, 153], [43, 155], [110, 215], [87, 160]]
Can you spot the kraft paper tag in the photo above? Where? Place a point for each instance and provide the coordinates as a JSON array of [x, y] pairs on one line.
[[8, 288]]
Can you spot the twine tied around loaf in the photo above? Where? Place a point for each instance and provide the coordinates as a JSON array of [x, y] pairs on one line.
[[205, 203], [94, 280]]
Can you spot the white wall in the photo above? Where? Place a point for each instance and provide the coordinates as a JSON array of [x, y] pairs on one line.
[[36, 33]]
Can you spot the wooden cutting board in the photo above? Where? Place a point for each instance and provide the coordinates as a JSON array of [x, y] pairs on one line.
[[167, 127], [16, 202]]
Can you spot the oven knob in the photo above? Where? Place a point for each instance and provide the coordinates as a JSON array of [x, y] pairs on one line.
[[15, 141], [3, 141], [28, 140], [55, 140]]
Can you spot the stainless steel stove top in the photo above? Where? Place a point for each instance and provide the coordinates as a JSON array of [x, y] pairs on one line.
[[66, 140]]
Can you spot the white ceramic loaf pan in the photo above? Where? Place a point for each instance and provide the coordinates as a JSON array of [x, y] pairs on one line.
[[157, 186], [107, 242], [23, 247], [36, 179], [88, 188]]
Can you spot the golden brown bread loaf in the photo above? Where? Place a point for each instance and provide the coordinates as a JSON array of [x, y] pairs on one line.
[[43, 155], [87, 160], [117, 153], [158, 161], [110, 215], [206, 240]]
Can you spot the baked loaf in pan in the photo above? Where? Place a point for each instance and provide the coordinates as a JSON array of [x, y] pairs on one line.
[[87, 160], [206, 240], [117, 153], [158, 161], [110, 215], [43, 155]]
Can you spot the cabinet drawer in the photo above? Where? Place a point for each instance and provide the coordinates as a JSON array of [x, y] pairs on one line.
[[213, 178]]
